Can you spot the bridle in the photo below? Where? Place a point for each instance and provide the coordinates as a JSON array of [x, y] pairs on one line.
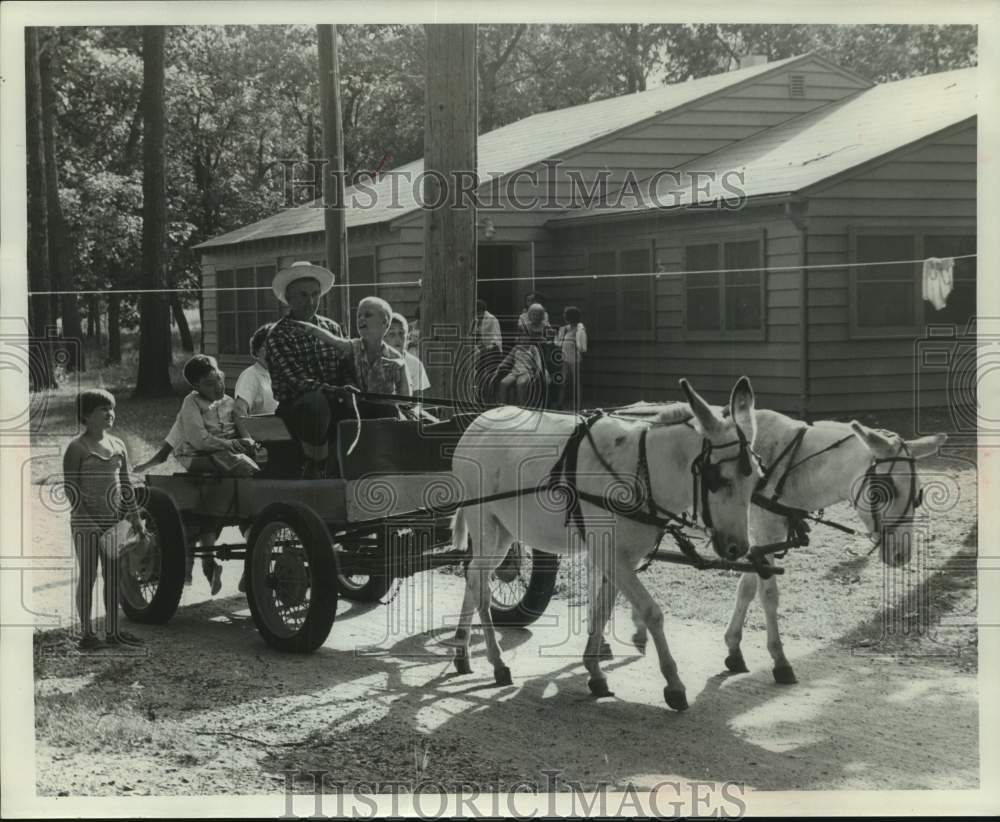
[[798, 529], [706, 476], [873, 481], [705, 473]]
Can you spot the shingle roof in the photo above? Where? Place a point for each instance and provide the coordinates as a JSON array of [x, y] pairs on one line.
[[506, 149], [805, 151]]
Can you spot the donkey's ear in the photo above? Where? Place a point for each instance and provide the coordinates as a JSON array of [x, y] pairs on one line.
[[701, 409], [741, 404], [926, 446], [876, 443]]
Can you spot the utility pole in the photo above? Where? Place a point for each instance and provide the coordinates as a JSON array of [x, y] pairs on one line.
[[447, 302], [333, 174]]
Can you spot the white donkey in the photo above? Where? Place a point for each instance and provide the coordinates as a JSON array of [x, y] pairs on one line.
[[617, 491], [811, 467]]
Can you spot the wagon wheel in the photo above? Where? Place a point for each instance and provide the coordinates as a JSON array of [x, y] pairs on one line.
[[522, 585], [291, 577], [363, 587], [153, 572]]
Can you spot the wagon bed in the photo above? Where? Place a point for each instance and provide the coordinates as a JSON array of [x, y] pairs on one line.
[[308, 542]]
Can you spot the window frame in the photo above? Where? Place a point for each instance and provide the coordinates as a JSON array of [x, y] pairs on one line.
[[917, 312], [235, 311], [720, 239], [621, 331]]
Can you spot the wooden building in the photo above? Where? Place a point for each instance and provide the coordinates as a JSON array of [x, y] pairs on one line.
[[780, 173]]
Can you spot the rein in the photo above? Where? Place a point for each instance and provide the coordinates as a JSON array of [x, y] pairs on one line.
[[706, 475], [798, 528], [563, 476]]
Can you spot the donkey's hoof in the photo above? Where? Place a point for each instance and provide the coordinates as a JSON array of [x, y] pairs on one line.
[[605, 652], [736, 664], [676, 699], [501, 674], [599, 687], [784, 675], [640, 643], [462, 665]]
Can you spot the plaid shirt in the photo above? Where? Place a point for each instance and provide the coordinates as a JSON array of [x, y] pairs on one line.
[[299, 362]]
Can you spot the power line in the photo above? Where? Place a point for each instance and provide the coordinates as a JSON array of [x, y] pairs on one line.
[[555, 277]]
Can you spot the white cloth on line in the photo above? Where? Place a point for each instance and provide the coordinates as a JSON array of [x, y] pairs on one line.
[[938, 280]]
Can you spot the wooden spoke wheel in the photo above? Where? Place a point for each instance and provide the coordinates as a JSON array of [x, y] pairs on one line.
[[291, 578], [152, 573], [522, 585]]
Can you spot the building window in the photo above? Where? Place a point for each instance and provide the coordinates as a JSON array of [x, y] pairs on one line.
[[797, 85], [728, 298], [245, 302], [887, 296], [620, 307]]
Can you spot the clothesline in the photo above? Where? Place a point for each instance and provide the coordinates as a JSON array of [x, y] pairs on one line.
[[553, 278]]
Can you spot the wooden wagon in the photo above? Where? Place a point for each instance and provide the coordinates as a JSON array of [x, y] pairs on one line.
[[308, 542]]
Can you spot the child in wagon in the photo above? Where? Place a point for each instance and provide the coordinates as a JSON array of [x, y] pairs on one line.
[[397, 338], [376, 367], [205, 440]]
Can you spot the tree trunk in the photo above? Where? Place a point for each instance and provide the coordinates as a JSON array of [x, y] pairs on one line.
[[40, 356], [155, 357], [60, 259], [114, 329], [93, 317], [187, 342]]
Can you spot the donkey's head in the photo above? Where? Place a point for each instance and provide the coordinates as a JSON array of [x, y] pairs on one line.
[[888, 493], [726, 469]]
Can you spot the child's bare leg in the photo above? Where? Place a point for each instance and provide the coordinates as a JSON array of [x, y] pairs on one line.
[[86, 556], [209, 566], [109, 572]]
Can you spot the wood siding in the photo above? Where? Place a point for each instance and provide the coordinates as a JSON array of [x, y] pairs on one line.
[[618, 371], [928, 187]]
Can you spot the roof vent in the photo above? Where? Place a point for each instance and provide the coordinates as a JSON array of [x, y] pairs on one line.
[[797, 85], [753, 60]]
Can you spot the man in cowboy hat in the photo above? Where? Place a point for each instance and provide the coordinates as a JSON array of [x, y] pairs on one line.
[[308, 377]]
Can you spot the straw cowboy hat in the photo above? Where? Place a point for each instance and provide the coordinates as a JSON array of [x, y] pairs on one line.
[[296, 271]]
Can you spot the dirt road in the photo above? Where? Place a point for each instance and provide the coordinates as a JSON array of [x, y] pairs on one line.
[[887, 695], [211, 709]]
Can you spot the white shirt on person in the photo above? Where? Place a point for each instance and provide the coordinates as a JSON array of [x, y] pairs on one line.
[[254, 387], [415, 370], [572, 345], [488, 331]]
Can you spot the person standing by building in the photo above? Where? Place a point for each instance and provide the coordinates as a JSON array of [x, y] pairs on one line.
[[571, 342], [489, 351]]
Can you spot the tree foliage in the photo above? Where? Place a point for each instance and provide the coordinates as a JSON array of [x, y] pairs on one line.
[[240, 99]]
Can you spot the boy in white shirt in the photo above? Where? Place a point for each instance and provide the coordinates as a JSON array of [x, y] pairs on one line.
[[204, 439], [253, 387], [396, 337]]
